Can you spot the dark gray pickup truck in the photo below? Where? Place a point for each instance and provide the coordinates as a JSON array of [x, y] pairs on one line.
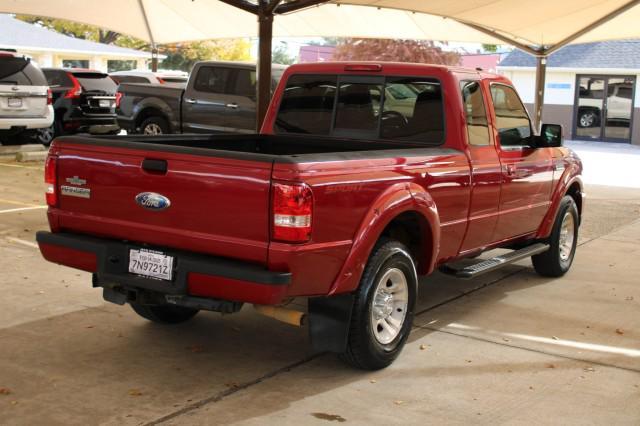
[[219, 97]]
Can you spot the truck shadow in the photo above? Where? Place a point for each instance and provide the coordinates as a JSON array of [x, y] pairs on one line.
[[108, 365]]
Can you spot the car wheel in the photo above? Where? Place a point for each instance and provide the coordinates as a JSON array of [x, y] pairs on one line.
[[588, 119], [383, 308], [563, 241], [154, 126], [45, 136], [164, 314]]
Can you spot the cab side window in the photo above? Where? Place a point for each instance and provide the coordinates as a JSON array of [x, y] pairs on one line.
[[212, 80], [475, 113], [512, 121]]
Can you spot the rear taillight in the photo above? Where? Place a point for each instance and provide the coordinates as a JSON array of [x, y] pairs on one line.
[[292, 212], [49, 97], [50, 179], [118, 99], [76, 90]]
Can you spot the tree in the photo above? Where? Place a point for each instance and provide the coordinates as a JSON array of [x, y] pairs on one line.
[[280, 55], [490, 48], [180, 56], [419, 51]]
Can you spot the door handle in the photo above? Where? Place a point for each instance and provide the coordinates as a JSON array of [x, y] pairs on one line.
[[232, 106], [511, 169], [191, 101]]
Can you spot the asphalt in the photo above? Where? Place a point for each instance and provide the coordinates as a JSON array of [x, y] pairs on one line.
[[506, 348]]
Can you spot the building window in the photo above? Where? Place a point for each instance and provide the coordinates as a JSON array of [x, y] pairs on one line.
[[118, 65], [75, 63]]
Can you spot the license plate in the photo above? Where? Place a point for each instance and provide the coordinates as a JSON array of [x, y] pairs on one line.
[[151, 264], [104, 103], [15, 102]]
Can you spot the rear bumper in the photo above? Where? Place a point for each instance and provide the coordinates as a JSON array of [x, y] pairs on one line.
[[17, 122], [196, 275]]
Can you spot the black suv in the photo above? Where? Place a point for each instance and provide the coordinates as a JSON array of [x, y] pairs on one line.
[[83, 100]]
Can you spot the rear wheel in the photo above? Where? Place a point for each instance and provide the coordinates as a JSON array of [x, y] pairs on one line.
[[154, 126], [164, 314], [383, 308], [563, 241], [48, 134]]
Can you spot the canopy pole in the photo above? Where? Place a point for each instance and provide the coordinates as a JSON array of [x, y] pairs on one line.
[[541, 73], [154, 58], [265, 41]]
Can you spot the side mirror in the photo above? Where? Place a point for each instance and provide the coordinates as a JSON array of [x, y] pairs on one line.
[[550, 136]]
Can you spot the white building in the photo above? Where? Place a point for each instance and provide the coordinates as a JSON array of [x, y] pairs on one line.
[[590, 89], [52, 49]]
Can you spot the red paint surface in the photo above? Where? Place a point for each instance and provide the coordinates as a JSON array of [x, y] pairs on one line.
[[78, 259]]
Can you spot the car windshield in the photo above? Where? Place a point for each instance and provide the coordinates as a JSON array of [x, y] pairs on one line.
[[19, 70], [95, 81]]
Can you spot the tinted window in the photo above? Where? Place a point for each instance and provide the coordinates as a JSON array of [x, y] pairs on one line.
[[174, 79], [512, 121], [475, 113], [212, 79], [413, 110], [20, 71], [56, 78], [129, 79], [245, 84], [307, 105], [358, 107], [95, 81]]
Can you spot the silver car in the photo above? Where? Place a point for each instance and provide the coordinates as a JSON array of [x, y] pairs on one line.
[[25, 100]]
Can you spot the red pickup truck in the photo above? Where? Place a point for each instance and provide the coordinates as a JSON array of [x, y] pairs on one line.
[[363, 177]]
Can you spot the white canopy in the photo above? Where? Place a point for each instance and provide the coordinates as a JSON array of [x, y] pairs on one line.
[[530, 22]]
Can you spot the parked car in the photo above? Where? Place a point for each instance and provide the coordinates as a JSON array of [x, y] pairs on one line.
[[619, 104], [83, 101], [149, 77], [337, 200], [219, 97], [25, 99]]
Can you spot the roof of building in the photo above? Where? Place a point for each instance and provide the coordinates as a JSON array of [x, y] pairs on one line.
[[24, 36], [606, 54]]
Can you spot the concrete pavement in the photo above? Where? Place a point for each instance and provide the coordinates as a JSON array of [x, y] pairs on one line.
[[509, 347]]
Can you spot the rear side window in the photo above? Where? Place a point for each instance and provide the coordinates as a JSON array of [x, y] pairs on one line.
[[20, 71], [475, 113], [56, 78], [99, 82], [245, 84], [212, 79], [512, 120], [396, 108], [307, 105]]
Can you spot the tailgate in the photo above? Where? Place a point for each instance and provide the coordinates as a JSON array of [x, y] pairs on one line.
[[23, 101], [201, 203]]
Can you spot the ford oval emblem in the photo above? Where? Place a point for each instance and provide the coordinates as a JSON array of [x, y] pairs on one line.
[[152, 201]]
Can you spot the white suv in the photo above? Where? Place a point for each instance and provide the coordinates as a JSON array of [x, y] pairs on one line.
[[25, 99]]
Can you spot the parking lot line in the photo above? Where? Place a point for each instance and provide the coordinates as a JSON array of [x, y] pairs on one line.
[[20, 209], [21, 166], [23, 242], [18, 203]]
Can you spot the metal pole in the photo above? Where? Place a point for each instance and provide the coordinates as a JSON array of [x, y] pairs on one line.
[[541, 72], [154, 59], [265, 35]]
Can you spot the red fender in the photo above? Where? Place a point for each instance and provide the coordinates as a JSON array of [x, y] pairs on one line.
[[568, 178], [395, 200]]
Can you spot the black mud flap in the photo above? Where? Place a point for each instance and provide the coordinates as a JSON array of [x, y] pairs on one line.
[[329, 320]]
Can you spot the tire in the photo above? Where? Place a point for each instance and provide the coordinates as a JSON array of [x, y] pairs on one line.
[[47, 135], [588, 118], [154, 125], [164, 314], [563, 241], [371, 346]]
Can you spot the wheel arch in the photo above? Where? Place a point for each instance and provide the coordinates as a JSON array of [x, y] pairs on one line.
[[401, 212]]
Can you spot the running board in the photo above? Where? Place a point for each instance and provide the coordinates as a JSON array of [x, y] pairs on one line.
[[495, 263]]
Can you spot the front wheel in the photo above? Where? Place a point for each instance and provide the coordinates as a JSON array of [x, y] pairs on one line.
[[563, 241], [164, 314], [383, 308]]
